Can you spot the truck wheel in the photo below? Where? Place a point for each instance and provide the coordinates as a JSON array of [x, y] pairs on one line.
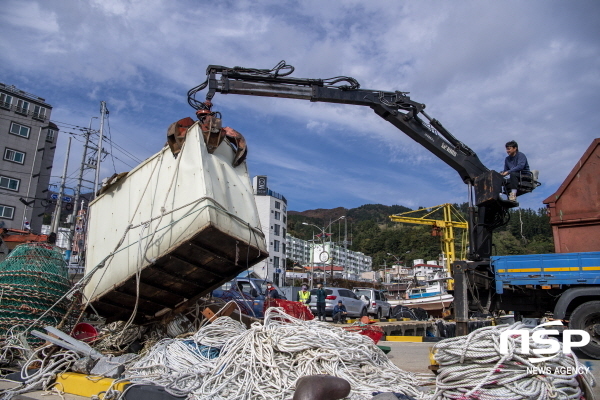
[[587, 318]]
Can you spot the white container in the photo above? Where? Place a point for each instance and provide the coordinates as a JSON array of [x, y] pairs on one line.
[[179, 227]]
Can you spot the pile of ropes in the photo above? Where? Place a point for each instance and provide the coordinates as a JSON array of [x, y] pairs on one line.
[[472, 367], [40, 370], [32, 279], [225, 360]]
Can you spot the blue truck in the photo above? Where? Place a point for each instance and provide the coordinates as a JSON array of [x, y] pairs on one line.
[[564, 286], [248, 293]]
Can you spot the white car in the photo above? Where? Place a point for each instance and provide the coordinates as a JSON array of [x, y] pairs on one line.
[[354, 306]]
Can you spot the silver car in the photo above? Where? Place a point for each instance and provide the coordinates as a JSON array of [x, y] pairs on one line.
[[377, 304], [354, 306]]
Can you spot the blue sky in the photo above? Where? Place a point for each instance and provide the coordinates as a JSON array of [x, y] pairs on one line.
[[489, 71]]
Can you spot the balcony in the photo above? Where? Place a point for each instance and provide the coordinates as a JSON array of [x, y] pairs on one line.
[[39, 116], [21, 110]]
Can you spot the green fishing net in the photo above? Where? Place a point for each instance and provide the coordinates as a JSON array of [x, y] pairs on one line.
[[33, 278]]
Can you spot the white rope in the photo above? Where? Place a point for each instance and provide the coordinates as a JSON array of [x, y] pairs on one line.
[[265, 361], [472, 367], [49, 365]]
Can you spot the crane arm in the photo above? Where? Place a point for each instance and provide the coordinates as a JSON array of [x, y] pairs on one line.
[[395, 107]]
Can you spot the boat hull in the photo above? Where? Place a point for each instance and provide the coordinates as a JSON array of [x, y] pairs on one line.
[[434, 305]]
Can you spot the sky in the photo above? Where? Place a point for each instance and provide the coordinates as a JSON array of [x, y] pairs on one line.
[[490, 72]]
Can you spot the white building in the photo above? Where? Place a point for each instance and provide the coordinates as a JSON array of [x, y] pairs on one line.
[[315, 254], [272, 212]]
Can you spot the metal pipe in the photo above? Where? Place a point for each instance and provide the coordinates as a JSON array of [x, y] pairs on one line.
[[56, 219], [37, 146]]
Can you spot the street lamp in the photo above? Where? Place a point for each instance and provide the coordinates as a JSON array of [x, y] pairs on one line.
[[324, 256]]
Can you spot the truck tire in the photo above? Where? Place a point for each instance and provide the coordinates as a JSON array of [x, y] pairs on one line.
[[587, 318], [379, 313]]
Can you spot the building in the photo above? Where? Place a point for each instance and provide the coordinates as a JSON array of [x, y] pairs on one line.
[[272, 212], [27, 142], [346, 263]]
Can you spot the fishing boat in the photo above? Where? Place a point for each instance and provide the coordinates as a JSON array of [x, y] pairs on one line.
[[430, 295]]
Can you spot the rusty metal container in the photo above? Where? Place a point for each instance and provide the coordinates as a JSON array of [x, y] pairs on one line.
[[575, 207], [171, 230]]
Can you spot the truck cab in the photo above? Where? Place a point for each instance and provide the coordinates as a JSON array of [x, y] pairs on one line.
[[249, 293]]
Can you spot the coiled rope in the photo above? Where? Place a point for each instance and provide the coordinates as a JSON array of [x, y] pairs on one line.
[[225, 360], [472, 367]]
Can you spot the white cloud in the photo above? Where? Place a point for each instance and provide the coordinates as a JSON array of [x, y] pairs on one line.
[[489, 72]]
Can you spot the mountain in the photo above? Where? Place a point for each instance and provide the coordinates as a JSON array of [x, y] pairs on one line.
[[371, 232]]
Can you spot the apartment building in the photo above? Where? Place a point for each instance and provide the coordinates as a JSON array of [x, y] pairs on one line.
[[272, 212], [311, 254], [27, 144]]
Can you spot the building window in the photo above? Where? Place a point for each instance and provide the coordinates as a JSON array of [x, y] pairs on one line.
[[19, 130], [283, 248], [14, 156], [9, 183], [284, 219], [39, 112], [277, 215], [276, 230], [7, 212], [22, 107], [275, 245], [283, 232], [277, 205], [5, 100], [50, 135], [276, 262]]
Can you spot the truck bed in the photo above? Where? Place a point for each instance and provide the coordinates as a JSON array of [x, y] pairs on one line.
[[546, 270]]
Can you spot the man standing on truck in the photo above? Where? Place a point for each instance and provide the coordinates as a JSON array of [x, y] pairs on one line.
[[514, 163], [321, 295], [304, 295]]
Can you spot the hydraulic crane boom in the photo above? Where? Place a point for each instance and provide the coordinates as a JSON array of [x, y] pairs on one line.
[[395, 107]]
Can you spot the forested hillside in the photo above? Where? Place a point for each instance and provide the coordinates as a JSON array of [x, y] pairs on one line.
[[370, 231]]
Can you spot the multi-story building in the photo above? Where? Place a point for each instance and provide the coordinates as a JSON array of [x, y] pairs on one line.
[[272, 212], [310, 254], [27, 144]]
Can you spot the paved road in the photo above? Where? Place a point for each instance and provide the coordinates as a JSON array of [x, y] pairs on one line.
[[414, 357]]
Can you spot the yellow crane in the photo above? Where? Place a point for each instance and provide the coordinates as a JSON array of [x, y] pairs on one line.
[[444, 228]]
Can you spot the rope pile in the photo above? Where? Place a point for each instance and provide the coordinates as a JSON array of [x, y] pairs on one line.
[[225, 360], [40, 370], [32, 279], [472, 367]]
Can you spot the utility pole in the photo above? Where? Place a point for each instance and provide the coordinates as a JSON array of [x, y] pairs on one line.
[[78, 188], [346, 247], [103, 112], [56, 219]]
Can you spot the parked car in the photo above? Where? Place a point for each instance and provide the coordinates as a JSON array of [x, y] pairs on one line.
[[377, 304], [253, 290], [354, 306]]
